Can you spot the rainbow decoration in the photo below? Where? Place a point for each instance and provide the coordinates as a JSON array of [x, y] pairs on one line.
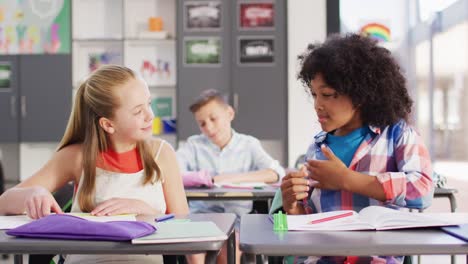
[[376, 31]]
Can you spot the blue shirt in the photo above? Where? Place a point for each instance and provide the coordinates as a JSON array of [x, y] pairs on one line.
[[345, 146], [242, 154]]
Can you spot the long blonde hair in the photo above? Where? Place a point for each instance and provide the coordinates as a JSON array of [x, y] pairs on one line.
[[95, 99]]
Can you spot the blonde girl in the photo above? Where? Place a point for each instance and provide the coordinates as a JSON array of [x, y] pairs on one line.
[[109, 153]]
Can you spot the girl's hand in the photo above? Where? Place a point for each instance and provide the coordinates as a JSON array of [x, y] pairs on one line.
[[40, 203], [330, 174], [117, 206], [294, 187]]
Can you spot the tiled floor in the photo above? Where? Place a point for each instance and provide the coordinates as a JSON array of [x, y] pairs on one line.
[[456, 179]]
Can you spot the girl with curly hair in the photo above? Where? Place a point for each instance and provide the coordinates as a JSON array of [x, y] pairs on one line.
[[367, 154]]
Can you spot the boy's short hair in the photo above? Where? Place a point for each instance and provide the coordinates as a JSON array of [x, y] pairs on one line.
[[206, 97]]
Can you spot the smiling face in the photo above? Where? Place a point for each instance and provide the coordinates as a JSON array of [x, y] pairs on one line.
[[214, 120], [133, 118], [334, 111]]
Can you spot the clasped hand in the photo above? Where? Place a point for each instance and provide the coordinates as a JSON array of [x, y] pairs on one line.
[[324, 174]]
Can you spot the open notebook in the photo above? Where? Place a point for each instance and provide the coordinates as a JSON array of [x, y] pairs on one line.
[[177, 232], [373, 218], [460, 232]]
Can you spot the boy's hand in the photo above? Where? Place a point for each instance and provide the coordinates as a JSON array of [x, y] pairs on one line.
[[116, 206], [40, 203], [330, 174], [294, 187]]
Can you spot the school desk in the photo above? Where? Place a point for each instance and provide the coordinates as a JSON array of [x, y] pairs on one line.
[[258, 238], [262, 197], [18, 246], [215, 194]]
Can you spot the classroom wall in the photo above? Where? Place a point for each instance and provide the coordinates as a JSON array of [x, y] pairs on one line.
[[306, 24]]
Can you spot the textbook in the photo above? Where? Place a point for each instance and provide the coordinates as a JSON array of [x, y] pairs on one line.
[[177, 232], [373, 218]]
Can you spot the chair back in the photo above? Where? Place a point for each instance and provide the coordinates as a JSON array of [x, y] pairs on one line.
[[2, 178], [299, 161]]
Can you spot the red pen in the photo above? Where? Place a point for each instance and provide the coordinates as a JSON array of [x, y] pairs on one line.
[[326, 219]]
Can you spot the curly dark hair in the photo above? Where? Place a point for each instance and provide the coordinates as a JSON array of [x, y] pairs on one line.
[[356, 66]]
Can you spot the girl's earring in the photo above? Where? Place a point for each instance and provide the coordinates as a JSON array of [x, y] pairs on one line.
[[111, 130]]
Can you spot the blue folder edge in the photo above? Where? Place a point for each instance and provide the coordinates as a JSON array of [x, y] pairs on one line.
[[460, 231]]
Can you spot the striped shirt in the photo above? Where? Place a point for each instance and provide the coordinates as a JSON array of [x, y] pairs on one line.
[[242, 154], [397, 157]]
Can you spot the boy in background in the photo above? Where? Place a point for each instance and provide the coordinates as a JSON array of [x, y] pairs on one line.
[[220, 154]]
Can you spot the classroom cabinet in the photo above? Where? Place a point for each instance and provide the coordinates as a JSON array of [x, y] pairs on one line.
[[119, 32], [35, 97], [247, 44]]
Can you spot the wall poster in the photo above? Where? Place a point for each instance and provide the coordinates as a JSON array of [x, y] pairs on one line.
[[34, 26], [5, 75], [202, 51], [156, 63], [202, 15], [256, 50], [258, 15]]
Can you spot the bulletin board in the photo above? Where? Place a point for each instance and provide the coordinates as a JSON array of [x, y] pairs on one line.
[[34, 26]]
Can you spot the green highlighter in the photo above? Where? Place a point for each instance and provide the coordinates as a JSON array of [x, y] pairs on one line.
[[280, 222]]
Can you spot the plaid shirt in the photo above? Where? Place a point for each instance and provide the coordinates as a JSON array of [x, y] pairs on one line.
[[398, 158]]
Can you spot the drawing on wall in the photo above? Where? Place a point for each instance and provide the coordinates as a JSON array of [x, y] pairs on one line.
[[155, 63], [34, 26], [158, 70], [202, 15], [256, 15], [96, 60], [256, 50], [202, 51], [5, 75], [377, 31]]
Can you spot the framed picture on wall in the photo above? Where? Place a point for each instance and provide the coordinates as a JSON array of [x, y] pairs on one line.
[[202, 15], [5, 76], [90, 55], [256, 15], [202, 51], [154, 61], [256, 50]]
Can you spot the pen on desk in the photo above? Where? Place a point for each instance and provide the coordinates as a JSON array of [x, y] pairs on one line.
[[164, 217], [333, 217]]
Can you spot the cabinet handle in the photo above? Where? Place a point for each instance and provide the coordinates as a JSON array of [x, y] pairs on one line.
[[236, 102], [23, 106], [13, 106]]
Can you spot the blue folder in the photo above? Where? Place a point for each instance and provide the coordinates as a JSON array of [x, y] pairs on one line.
[[460, 231]]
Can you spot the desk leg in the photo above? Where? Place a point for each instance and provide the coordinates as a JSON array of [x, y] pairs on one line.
[[231, 248], [453, 202], [249, 258], [18, 259], [211, 256]]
